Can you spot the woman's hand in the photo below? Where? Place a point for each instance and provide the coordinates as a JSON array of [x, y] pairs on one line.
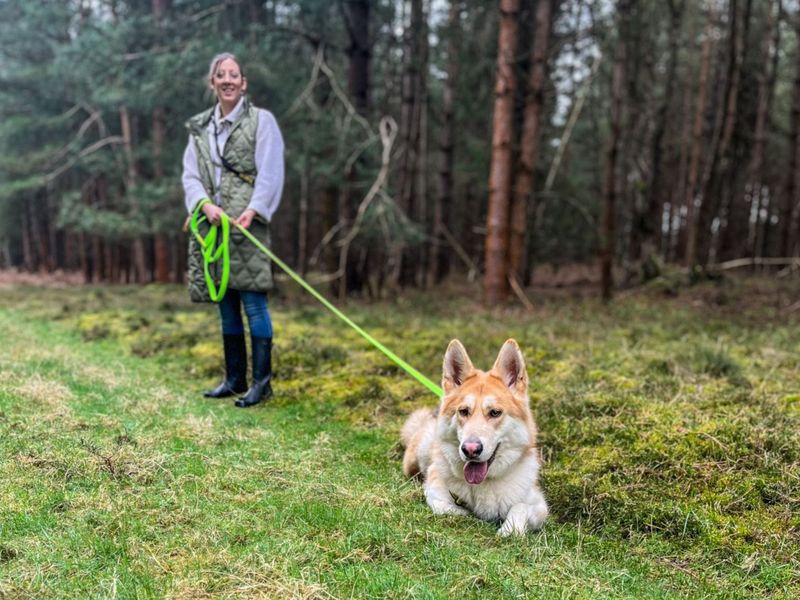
[[246, 218], [212, 212]]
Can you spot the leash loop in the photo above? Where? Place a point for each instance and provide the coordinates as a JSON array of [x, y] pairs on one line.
[[212, 252]]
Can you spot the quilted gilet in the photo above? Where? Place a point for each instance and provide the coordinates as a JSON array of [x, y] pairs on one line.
[[250, 269]]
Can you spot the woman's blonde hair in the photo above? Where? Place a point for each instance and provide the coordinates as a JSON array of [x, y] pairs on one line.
[[212, 68]]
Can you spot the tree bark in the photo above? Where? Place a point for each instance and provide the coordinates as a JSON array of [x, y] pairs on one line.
[[496, 284], [358, 52], [161, 241], [132, 175], [610, 191], [790, 202], [766, 86], [412, 91], [686, 237], [524, 198], [651, 238], [439, 263], [699, 242]]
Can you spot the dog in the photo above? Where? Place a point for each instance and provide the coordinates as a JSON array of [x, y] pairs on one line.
[[476, 453]]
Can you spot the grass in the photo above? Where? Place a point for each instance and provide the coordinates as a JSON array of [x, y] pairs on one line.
[[670, 430]]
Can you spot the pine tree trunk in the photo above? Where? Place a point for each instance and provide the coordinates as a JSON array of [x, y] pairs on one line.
[[496, 284], [651, 239], [161, 241], [302, 217], [27, 239], [421, 201], [699, 237], [523, 200], [610, 191], [687, 237], [738, 220], [358, 52], [439, 263], [790, 202], [410, 120], [132, 175]]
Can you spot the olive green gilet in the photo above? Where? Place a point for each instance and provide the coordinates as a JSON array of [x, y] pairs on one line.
[[250, 269]]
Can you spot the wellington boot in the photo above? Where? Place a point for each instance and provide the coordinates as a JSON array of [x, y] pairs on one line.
[[262, 373], [235, 368]]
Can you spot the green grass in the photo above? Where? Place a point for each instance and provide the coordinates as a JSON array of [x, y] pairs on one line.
[[670, 430]]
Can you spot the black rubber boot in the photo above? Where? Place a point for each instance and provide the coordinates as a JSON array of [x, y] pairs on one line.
[[262, 373], [235, 368]]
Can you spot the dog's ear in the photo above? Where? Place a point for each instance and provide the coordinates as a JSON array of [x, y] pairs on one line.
[[510, 367], [457, 366]]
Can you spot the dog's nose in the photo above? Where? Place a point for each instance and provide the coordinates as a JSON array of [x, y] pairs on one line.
[[472, 449]]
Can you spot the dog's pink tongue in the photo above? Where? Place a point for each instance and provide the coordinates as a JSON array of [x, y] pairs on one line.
[[475, 472]]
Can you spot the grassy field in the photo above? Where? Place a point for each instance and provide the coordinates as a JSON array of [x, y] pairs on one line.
[[670, 430]]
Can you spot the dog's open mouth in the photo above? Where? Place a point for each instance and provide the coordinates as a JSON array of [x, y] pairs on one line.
[[475, 472]]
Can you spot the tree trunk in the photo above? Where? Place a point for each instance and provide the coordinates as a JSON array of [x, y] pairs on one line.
[[686, 237], [421, 215], [410, 121], [529, 143], [27, 240], [789, 204], [610, 191], [439, 264], [766, 86], [139, 257], [161, 241], [302, 216], [651, 238], [358, 52], [496, 284], [699, 242]]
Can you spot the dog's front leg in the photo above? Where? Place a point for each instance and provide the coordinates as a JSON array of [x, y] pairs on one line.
[[523, 516], [439, 498]]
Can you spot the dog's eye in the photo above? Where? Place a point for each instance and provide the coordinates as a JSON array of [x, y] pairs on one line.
[[464, 412], [495, 412]]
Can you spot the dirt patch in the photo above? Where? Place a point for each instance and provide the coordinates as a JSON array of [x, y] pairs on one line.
[[57, 279]]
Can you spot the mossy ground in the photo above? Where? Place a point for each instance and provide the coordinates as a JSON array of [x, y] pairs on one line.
[[670, 429]]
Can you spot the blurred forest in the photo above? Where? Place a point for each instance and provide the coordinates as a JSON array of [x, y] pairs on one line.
[[424, 138]]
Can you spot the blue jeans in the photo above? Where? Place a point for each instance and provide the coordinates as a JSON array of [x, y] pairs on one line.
[[255, 306]]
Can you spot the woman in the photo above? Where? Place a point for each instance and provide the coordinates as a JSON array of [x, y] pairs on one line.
[[233, 163]]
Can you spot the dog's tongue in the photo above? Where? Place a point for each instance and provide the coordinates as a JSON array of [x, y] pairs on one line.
[[475, 472]]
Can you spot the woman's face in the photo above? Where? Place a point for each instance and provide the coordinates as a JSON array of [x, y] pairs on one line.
[[228, 83]]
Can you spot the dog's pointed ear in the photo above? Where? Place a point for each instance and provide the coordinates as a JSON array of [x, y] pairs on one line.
[[457, 366], [510, 367]]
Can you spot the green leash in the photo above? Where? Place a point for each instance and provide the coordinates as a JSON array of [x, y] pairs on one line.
[[305, 285], [212, 254]]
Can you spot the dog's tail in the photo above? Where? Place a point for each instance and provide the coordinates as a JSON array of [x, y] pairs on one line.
[[414, 423]]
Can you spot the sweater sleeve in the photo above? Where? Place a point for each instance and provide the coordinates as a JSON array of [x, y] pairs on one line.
[[192, 185], [268, 186]]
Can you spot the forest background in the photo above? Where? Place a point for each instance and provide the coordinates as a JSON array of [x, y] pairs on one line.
[[631, 136], [433, 148]]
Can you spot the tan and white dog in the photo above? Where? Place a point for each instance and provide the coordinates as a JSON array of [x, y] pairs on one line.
[[477, 451]]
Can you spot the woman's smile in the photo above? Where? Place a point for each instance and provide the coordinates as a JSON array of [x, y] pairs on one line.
[[228, 84]]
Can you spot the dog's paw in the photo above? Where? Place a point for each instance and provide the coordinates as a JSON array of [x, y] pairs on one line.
[[510, 528], [519, 519], [448, 508]]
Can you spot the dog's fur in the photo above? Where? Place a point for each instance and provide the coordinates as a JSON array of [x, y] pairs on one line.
[[483, 418]]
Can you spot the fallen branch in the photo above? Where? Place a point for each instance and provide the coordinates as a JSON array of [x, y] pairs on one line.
[[749, 262], [512, 279]]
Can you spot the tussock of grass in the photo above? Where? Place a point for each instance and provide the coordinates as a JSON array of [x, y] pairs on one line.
[[669, 432]]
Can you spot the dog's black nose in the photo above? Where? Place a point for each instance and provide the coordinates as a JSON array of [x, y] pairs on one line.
[[472, 449]]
